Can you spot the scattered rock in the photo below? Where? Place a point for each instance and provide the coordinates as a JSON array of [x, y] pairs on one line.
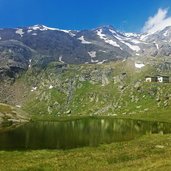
[[137, 85], [159, 146], [138, 107], [68, 112], [146, 110]]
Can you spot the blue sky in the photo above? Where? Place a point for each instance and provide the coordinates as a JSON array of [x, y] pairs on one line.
[[125, 15]]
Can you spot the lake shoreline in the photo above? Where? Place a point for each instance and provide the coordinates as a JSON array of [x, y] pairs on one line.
[[140, 153], [81, 132], [136, 117]]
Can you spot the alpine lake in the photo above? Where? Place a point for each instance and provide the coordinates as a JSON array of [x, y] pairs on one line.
[[78, 133]]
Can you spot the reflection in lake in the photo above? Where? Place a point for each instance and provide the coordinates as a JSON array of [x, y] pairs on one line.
[[78, 133]]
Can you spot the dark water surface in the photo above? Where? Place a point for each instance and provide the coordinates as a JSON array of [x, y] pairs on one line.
[[78, 133]]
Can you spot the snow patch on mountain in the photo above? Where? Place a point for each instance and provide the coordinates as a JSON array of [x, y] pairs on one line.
[[72, 34], [41, 28], [45, 28], [128, 37], [60, 59], [30, 63], [125, 41], [34, 34], [135, 41], [20, 32], [131, 35], [67, 31], [102, 51], [92, 54], [102, 62], [133, 47], [94, 61], [139, 65], [83, 41], [29, 31], [157, 46], [165, 33], [112, 31], [107, 40], [144, 37]]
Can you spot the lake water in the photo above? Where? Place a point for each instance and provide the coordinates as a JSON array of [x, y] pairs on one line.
[[77, 133]]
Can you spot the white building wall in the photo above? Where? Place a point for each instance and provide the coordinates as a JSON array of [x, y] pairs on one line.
[[148, 80], [160, 79]]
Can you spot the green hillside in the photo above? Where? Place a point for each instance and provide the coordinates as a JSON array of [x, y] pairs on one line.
[[113, 89], [10, 115]]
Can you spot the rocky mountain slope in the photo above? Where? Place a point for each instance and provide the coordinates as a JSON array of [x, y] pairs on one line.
[[92, 46], [10, 115], [39, 45], [101, 71], [108, 89]]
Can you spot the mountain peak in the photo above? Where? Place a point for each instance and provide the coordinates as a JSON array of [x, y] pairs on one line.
[[41, 27], [106, 27]]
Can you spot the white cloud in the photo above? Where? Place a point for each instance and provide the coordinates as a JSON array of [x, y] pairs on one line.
[[157, 22]]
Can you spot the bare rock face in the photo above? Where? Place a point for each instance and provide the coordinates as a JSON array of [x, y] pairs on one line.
[[158, 42], [40, 45], [14, 58], [11, 115], [137, 85]]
